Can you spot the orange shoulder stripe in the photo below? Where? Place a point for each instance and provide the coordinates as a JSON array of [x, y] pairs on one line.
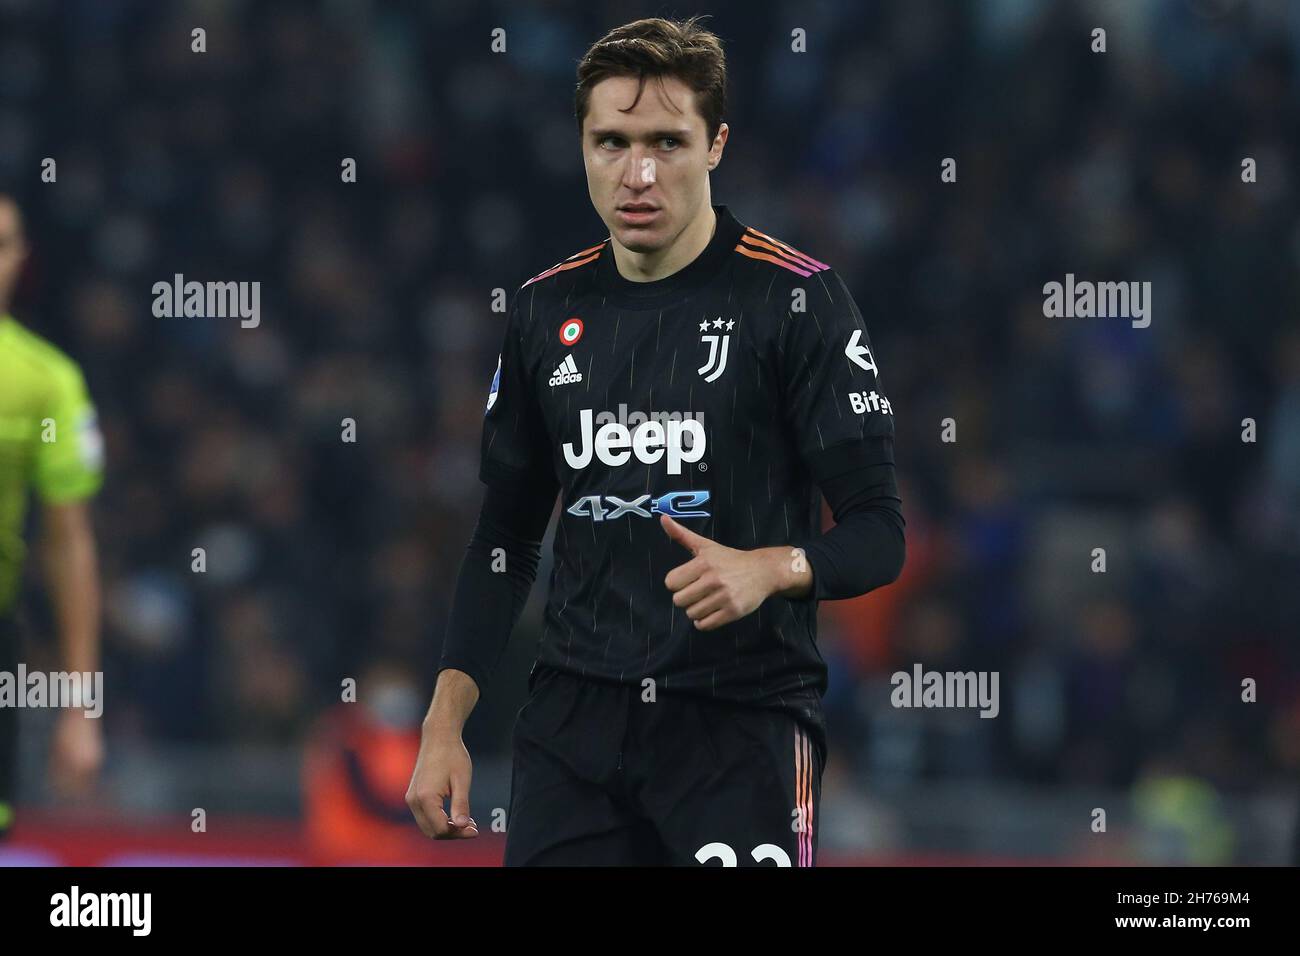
[[808, 262], [575, 260], [751, 246], [763, 255]]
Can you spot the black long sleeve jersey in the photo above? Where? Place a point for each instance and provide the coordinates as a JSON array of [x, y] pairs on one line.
[[725, 395]]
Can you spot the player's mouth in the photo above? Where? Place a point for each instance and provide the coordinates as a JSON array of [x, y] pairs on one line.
[[637, 213]]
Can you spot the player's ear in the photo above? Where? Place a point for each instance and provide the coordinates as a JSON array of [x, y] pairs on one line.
[[719, 143]]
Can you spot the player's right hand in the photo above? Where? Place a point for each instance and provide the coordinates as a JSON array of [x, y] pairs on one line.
[[442, 770]]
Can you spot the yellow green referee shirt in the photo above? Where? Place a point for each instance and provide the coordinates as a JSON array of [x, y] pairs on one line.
[[49, 440]]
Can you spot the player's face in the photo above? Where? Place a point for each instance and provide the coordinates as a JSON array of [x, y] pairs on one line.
[[13, 249], [656, 156]]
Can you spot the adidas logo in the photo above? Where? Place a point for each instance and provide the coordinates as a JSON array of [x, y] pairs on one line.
[[566, 373]]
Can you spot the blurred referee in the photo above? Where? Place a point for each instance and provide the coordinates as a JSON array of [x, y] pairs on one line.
[[49, 442]]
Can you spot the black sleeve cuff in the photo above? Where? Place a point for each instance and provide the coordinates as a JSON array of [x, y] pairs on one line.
[[867, 547]]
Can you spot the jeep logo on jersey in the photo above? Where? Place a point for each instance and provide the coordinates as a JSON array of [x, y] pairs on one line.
[[614, 443], [570, 332]]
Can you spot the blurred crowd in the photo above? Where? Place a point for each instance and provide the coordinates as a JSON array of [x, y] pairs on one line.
[[327, 559]]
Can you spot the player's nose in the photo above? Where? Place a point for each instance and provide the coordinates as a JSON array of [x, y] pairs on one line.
[[639, 170]]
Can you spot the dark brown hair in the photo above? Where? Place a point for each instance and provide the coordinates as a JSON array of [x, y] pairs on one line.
[[657, 48]]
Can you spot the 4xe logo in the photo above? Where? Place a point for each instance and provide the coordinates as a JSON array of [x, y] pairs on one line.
[[676, 442], [675, 504]]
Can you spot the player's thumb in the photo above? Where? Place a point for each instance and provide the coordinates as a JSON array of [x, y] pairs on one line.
[[460, 800], [681, 534]]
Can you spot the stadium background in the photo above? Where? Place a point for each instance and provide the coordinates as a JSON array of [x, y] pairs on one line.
[[329, 560]]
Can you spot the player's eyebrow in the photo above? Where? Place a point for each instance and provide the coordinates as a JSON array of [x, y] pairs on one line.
[[599, 134]]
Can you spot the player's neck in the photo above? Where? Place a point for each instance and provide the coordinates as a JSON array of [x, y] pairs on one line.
[[651, 266]]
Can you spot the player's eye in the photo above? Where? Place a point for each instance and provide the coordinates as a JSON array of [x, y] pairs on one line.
[[609, 139], [670, 139]]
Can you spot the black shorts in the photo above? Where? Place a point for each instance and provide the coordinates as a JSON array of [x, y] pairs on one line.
[[8, 726], [602, 778]]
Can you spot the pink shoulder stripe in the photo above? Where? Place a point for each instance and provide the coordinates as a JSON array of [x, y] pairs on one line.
[[783, 263], [808, 260]]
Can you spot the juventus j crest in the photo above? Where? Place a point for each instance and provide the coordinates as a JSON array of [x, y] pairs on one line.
[[717, 360]]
